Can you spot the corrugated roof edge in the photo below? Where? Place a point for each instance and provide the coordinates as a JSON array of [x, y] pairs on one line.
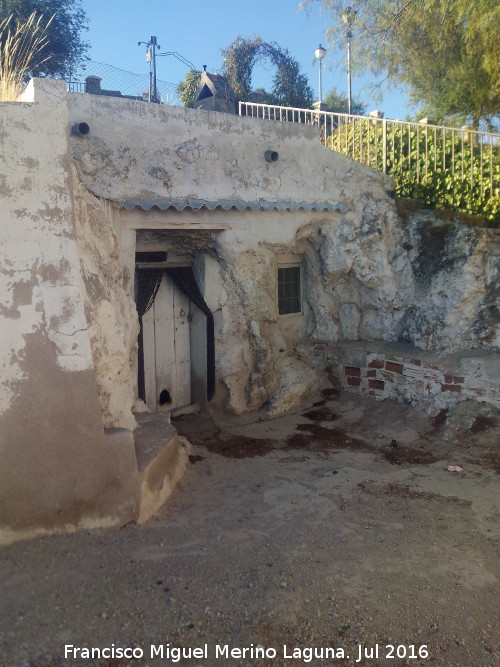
[[226, 204]]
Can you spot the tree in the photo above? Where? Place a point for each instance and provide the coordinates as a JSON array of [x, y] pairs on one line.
[[64, 49], [186, 89], [444, 50], [338, 103], [20, 47], [290, 87], [239, 60]]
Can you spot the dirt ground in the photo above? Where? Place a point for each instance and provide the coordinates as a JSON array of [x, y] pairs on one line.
[[334, 528]]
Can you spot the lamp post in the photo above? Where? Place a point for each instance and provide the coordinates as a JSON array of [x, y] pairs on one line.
[[348, 17], [320, 54]]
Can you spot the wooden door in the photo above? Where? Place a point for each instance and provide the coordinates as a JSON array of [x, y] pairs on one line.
[[167, 353]]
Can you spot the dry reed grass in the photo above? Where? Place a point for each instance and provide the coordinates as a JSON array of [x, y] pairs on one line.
[[21, 44]]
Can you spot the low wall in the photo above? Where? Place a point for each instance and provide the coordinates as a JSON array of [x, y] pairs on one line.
[[402, 372]]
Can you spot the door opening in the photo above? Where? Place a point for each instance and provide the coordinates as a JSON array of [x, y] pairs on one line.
[[167, 349], [176, 341]]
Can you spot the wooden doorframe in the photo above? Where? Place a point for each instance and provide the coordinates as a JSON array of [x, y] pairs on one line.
[[198, 355]]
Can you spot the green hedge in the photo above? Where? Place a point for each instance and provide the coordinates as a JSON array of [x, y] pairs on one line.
[[444, 170]]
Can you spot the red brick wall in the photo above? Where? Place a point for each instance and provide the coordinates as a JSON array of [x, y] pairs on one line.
[[382, 375]]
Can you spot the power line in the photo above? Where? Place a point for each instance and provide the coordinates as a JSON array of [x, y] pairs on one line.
[[151, 55], [128, 83]]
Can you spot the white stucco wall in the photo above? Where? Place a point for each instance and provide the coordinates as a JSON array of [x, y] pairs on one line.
[[145, 151], [58, 467], [39, 266]]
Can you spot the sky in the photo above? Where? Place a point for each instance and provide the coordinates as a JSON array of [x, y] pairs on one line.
[[199, 29]]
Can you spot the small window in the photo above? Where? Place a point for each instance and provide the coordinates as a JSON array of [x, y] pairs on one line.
[[289, 290], [204, 93]]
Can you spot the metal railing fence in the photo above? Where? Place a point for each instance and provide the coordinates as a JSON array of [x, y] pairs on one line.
[[76, 86], [450, 167], [128, 83]]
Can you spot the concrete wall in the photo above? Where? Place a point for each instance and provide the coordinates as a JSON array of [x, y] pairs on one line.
[[150, 151], [404, 373], [58, 466]]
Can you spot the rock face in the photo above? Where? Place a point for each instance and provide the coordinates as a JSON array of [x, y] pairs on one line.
[[367, 277], [110, 313], [455, 271]]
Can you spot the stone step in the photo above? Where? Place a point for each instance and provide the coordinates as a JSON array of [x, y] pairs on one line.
[[162, 456]]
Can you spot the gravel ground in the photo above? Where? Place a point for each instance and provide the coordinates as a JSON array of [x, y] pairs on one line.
[[332, 529]]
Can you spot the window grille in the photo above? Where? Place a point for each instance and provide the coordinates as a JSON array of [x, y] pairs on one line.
[[289, 290]]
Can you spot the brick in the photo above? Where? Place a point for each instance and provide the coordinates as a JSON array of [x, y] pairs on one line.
[[376, 363], [390, 357], [387, 376], [459, 380], [352, 370], [448, 379], [414, 362], [372, 373], [474, 390], [451, 387], [376, 384], [435, 377], [396, 368], [427, 364], [413, 371], [353, 381]]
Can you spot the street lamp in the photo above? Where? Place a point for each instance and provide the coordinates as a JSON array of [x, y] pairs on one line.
[[348, 16], [320, 54]]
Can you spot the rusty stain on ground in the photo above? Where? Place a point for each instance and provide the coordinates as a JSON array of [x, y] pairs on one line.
[[489, 460], [401, 455], [316, 436], [201, 430], [403, 491], [321, 414], [319, 438], [439, 419], [194, 458], [239, 446], [483, 423], [330, 392], [309, 436]]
